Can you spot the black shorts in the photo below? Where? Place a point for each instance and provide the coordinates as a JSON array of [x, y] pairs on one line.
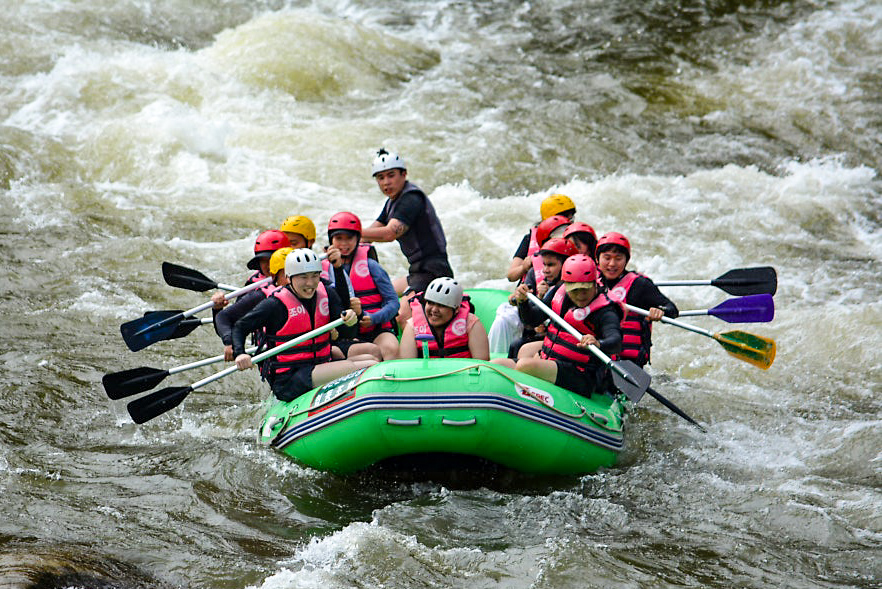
[[289, 385], [576, 380], [421, 273]]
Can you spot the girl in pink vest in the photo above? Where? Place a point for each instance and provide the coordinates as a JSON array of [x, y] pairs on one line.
[[445, 315], [306, 303], [625, 286]]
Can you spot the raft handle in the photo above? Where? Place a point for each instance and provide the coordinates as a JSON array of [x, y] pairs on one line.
[[472, 421], [391, 421]]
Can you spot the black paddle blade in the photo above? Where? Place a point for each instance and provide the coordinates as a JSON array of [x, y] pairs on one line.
[[673, 408], [181, 277], [635, 384], [155, 404], [185, 327], [748, 281], [152, 328], [119, 385]]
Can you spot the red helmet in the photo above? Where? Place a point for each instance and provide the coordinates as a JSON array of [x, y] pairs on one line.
[[559, 246], [580, 227], [610, 239], [265, 244], [544, 229], [579, 268], [344, 222]]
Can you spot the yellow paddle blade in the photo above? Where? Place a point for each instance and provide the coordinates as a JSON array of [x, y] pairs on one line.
[[756, 350]]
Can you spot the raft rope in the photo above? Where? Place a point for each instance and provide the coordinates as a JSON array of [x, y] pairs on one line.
[[527, 392]]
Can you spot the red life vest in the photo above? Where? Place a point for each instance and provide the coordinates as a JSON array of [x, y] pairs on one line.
[[311, 352], [456, 333], [558, 343], [254, 278], [636, 330]]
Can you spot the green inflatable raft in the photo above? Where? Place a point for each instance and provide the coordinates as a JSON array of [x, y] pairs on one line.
[[457, 406]]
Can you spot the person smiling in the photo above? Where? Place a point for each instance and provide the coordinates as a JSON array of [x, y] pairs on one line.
[[304, 304], [563, 359], [374, 298], [625, 286], [445, 314]]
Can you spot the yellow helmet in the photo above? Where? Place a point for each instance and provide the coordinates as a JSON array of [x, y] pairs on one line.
[[555, 205], [299, 224], [277, 260]]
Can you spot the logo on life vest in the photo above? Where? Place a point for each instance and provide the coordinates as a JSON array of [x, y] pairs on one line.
[[580, 313], [618, 294], [295, 311], [324, 307], [361, 268], [458, 327]]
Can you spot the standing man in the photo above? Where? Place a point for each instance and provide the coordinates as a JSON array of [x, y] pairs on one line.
[[409, 217]]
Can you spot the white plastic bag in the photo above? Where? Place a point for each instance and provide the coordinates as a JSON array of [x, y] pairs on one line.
[[506, 327]]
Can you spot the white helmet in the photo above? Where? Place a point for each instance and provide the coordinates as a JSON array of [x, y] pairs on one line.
[[301, 261], [444, 291], [386, 160]]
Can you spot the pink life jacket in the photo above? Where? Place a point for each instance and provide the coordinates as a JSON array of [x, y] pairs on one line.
[[533, 255], [558, 343], [311, 352], [365, 288], [456, 333], [636, 330]]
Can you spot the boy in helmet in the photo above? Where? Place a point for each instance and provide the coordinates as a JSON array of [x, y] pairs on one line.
[[563, 359], [556, 204], [445, 314], [408, 217], [264, 247], [300, 231], [373, 296], [625, 286], [225, 319], [304, 304]]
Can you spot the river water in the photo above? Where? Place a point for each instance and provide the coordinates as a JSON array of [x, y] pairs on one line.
[[715, 134]]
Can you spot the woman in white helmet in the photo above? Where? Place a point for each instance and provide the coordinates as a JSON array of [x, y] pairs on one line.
[[443, 313], [304, 304]]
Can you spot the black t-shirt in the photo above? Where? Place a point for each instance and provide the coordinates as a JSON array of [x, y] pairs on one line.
[[523, 248], [424, 237], [273, 314], [644, 294]]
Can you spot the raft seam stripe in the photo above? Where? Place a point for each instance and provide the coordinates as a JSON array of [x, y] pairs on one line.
[[464, 401]]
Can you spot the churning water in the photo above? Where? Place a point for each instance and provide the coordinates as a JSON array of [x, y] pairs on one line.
[[715, 134]]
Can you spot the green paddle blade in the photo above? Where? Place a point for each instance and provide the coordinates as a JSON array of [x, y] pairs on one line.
[[157, 403], [753, 349]]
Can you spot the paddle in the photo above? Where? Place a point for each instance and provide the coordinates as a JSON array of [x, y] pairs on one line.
[[119, 385], [635, 370], [158, 402], [629, 378], [185, 327], [181, 277], [758, 308], [142, 332], [753, 349], [741, 281]]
